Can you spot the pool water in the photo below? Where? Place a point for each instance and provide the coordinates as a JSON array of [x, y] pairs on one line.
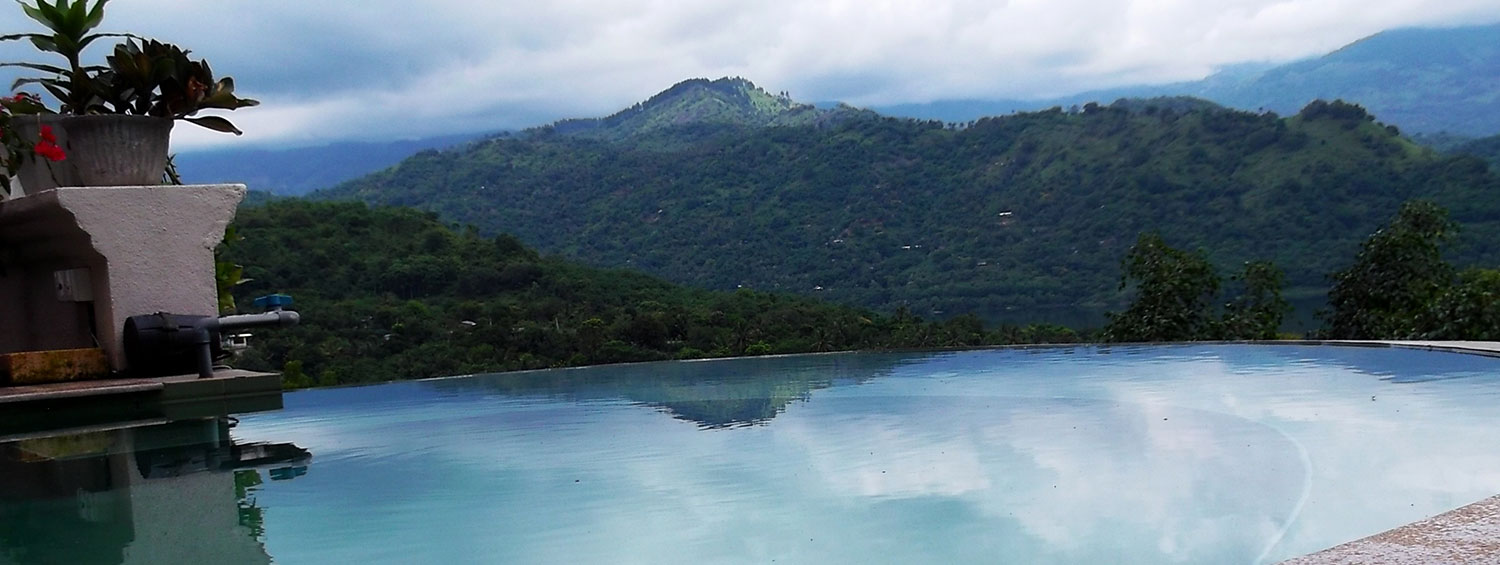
[[1174, 454]]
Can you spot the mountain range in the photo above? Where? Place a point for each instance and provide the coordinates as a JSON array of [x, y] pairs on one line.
[[1016, 218], [293, 172], [1422, 80], [1425, 81]]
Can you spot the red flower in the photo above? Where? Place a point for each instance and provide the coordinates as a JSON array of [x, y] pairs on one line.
[[50, 151], [48, 137]]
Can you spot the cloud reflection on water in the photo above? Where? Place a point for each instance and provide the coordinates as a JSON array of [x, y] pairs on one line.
[[1183, 454]]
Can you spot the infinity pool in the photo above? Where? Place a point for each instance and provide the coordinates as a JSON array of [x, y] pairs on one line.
[[1178, 454]]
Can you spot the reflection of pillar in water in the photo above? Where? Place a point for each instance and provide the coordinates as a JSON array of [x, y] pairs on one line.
[[190, 519], [60, 501], [161, 494]]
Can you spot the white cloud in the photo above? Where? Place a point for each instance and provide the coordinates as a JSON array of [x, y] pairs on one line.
[[387, 68]]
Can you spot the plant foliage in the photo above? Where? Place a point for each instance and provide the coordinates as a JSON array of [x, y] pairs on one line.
[[1397, 274], [1173, 292], [1176, 293], [70, 28], [151, 78], [144, 77]]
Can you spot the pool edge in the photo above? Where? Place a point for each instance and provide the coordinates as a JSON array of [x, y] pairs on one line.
[[1468, 534]]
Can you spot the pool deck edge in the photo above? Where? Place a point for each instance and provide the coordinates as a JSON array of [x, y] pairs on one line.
[[1485, 348], [30, 409], [1470, 534]]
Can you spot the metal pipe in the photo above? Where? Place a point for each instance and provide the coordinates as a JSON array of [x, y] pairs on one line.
[[283, 318], [207, 329]]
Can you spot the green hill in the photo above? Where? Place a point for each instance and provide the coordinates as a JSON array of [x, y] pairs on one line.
[[1016, 218], [389, 293]]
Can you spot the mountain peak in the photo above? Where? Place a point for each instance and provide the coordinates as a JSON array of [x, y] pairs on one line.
[[728, 101]]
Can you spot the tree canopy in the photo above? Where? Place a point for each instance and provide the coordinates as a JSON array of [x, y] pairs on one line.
[[1015, 218], [1397, 274], [1177, 292], [391, 293]]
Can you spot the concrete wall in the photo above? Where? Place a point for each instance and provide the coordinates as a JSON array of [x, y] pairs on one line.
[[148, 248]]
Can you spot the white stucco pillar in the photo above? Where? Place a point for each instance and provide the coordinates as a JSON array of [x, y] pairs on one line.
[[153, 244]]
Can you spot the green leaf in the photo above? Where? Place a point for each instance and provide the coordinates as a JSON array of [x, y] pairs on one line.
[[78, 14], [43, 14], [216, 123], [20, 36], [91, 38], [46, 44], [38, 67], [55, 89], [31, 80], [96, 15]]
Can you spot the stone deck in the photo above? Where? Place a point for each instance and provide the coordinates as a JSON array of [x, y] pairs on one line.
[[1467, 535]]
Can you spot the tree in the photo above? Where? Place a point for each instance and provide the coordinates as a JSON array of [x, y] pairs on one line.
[[1397, 275], [1257, 312], [1173, 293], [1468, 310]]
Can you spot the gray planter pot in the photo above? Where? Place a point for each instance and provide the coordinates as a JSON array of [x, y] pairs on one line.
[[104, 150]]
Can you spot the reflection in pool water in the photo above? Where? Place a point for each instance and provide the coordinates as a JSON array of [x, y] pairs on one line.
[[1193, 454], [165, 493]]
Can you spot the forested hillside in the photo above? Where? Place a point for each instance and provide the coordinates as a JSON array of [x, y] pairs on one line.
[[1021, 217], [1487, 148], [394, 293]]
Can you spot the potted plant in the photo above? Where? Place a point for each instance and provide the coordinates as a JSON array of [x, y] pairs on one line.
[[114, 120]]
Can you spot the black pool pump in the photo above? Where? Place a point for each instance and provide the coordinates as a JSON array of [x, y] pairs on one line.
[[163, 344]]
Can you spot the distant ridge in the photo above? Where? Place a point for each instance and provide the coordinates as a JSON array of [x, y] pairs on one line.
[[294, 172], [1487, 149], [1421, 80]]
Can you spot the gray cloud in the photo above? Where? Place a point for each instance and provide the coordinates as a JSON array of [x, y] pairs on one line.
[[374, 69]]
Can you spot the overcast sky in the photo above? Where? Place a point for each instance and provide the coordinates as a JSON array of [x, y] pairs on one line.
[[329, 70]]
